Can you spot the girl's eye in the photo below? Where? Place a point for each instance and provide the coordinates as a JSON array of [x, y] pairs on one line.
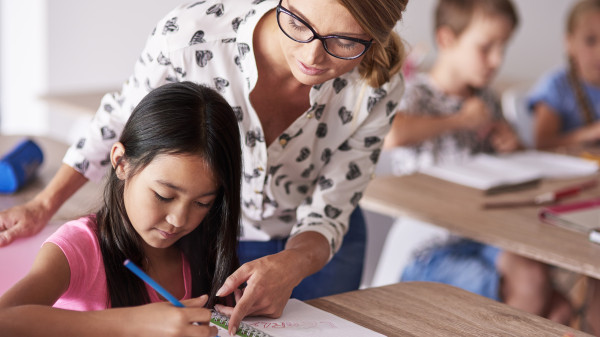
[[161, 198], [203, 205]]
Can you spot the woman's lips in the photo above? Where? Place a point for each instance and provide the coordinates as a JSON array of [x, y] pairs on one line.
[[309, 70]]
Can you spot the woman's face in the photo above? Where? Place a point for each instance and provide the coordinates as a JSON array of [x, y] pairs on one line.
[[309, 62]]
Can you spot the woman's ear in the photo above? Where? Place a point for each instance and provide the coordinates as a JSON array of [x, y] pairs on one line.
[[117, 155]]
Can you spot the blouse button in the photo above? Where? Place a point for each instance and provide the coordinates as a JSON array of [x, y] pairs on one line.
[[260, 168], [282, 142], [309, 115], [257, 191]]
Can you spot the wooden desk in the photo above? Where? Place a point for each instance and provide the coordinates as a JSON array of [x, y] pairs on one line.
[[435, 309], [458, 208], [17, 258]]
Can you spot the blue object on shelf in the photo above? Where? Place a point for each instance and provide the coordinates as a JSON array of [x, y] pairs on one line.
[[19, 165]]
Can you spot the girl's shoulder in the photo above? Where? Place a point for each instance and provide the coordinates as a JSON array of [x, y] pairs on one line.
[[79, 234]]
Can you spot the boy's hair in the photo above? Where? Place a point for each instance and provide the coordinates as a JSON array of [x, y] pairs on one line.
[[177, 118], [458, 14], [583, 103], [385, 56]]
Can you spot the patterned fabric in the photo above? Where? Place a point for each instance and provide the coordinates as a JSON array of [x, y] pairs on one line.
[[312, 176], [423, 98], [555, 90], [87, 287]]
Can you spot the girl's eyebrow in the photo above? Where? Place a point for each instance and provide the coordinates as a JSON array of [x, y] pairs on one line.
[[181, 189]]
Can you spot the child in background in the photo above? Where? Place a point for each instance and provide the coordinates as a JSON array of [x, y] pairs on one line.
[[566, 106], [171, 205], [566, 102], [449, 114]]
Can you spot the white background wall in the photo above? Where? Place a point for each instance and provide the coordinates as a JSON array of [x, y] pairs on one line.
[[58, 46]]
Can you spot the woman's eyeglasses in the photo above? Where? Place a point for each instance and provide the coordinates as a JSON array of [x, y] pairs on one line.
[[342, 47]]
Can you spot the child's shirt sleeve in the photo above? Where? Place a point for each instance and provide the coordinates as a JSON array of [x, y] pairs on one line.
[[87, 285]]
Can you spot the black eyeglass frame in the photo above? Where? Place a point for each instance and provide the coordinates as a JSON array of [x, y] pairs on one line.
[[366, 43]]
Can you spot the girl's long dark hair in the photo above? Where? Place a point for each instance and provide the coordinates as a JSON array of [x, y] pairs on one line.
[[177, 118]]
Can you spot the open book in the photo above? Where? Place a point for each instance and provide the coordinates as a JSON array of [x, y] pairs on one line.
[[497, 173], [298, 320]]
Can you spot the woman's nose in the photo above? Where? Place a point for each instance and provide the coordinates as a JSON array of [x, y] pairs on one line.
[[314, 52]]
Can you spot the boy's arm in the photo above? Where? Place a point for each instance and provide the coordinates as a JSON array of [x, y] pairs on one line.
[[410, 130]]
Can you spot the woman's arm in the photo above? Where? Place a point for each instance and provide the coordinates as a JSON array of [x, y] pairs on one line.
[[29, 218], [26, 309], [547, 127]]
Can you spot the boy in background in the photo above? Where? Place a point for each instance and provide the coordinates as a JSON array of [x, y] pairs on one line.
[[450, 114]]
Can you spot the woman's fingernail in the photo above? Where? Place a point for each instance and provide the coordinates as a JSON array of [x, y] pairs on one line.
[[218, 307], [219, 292]]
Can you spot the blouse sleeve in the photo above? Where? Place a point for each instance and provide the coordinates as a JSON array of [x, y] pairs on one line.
[[90, 154], [342, 181]]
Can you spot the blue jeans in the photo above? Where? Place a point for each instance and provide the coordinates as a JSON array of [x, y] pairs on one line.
[[341, 274], [465, 264]]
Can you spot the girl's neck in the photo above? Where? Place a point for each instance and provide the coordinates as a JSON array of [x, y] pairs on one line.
[[161, 256], [448, 81]]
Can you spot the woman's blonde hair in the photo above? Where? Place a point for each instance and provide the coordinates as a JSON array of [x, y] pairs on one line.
[[378, 18], [585, 108]]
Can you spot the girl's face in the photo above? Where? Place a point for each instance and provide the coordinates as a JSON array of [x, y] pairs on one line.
[[583, 45], [169, 198], [309, 63], [479, 51]]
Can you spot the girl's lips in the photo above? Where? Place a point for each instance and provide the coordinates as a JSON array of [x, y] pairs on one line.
[[309, 70], [166, 235]]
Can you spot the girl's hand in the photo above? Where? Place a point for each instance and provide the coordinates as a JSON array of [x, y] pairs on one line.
[[270, 281], [504, 139], [164, 319]]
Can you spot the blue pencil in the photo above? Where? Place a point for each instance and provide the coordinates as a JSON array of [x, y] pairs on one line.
[[162, 291]]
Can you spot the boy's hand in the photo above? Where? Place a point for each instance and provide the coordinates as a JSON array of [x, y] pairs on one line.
[[504, 139], [474, 114]]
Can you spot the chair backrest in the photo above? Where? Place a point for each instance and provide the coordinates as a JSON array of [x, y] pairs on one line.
[[514, 107]]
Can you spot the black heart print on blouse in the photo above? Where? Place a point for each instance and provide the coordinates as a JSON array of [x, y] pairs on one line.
[[197, 38], [217, 10], [353, 171], [202, 57], [345, 115], [170, 26]]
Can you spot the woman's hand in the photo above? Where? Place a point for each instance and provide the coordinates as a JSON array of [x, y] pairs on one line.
[[164, 319], [474, 114], [269, 284], [271, 279], [22, 220]]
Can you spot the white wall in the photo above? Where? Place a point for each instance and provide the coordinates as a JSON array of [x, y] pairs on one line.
[[62, 46], [536, 46]]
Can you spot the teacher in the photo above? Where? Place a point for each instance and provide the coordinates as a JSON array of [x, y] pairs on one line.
[[314, 84]]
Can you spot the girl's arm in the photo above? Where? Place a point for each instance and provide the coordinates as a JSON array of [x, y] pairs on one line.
[[411, 129], [547, 130], [26, 309]]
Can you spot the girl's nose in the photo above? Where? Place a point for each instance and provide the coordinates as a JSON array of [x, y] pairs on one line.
[[177, 217]]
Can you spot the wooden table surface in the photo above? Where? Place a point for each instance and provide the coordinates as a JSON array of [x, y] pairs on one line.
[[435, 309], [459, 209]]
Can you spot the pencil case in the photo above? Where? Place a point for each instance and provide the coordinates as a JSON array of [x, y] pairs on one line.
[[19, 165]]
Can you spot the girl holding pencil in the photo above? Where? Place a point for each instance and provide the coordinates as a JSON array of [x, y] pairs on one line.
[[171, 206]]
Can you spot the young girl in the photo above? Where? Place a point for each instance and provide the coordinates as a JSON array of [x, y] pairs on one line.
[[566, 102], [171, 205], [449, 114]]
